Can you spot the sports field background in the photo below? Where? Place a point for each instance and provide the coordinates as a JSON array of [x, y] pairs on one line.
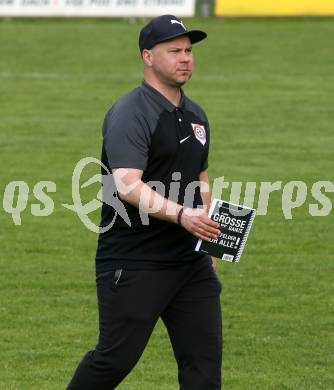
[[268, 88]]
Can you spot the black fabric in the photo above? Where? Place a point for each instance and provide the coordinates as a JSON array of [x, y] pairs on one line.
[[165, 27], [130, 304], [145, 131]]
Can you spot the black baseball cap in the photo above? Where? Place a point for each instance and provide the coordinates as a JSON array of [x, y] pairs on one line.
[[165, 27]]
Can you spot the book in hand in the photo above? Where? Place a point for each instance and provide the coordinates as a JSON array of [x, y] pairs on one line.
[[235, 223]]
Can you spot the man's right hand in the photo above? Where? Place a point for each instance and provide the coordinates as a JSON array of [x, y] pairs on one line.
[[197, 222]]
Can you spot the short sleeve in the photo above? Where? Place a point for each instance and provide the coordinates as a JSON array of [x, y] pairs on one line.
[[205, 161], [126, 139], [205, 165]]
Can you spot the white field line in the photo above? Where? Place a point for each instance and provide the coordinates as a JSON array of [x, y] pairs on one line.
[[109, 76], [294, 79], [62, 76], [47, 118]]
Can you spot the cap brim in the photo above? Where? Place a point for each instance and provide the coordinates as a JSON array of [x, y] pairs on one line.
[[194, 35]]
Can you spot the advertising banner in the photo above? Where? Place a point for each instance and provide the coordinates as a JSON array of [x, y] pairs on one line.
[[96, 8], [274, 7]]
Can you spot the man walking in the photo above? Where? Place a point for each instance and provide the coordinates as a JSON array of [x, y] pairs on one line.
[[156, 142]]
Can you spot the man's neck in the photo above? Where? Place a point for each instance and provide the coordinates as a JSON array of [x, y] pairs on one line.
[[173, 94]]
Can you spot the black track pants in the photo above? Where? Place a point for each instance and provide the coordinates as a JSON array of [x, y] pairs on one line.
[[130, 304]]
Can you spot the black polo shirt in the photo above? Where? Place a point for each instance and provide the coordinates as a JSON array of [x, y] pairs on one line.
[[170, 144]]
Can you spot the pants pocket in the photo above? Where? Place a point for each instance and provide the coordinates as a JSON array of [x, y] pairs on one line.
[[110, 278]]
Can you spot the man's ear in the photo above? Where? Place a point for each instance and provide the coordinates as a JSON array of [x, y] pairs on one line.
[[147, 57]]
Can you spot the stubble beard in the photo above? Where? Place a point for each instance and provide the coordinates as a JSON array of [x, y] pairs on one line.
[[177, 83]]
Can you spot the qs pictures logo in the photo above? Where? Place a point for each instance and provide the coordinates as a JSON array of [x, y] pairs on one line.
[[107, 194]]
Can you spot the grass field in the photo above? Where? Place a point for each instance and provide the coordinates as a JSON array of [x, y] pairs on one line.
[[268, 89]]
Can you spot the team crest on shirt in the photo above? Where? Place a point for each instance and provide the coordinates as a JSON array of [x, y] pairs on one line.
[[200, 133]]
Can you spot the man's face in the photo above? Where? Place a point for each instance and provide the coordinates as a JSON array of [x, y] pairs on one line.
[[172, 61]]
